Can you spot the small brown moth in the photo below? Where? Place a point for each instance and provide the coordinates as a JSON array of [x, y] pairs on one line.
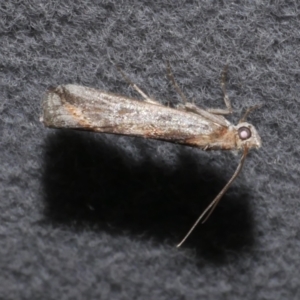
[[78, 107]]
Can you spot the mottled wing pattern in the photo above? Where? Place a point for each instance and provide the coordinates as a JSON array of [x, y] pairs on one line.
[[73, 106]]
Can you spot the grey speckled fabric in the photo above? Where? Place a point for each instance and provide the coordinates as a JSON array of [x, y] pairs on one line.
[[97, 216]]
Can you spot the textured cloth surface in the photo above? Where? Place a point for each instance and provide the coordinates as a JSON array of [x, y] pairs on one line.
[[97, 216]]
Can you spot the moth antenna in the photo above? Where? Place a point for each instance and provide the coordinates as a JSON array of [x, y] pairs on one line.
[[210, 208], [248, 111]]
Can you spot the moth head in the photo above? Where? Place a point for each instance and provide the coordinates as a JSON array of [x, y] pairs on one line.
[[247, 136]]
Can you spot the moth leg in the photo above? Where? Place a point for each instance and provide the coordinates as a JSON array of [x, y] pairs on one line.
[[146, 98], [176, 86], [185, 106], [248, 111], [228, 110], [190, 107]]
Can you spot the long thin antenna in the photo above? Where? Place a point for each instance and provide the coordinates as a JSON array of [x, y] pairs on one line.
[[210, 208]]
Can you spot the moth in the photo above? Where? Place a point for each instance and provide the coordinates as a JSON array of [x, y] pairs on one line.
[[84, 108]]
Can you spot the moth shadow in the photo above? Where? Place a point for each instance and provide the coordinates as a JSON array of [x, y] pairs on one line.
[[91, 181]]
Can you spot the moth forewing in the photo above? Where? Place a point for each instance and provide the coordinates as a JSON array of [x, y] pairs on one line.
[[77, 107]]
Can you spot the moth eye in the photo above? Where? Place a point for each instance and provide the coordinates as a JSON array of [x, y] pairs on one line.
[[244, 133]]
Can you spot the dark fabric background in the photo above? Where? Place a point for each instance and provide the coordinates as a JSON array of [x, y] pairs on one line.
[[95, 216]]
